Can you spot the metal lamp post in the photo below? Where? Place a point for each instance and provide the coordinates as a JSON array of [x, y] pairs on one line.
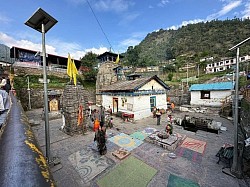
[[236, 168], [42, 22]]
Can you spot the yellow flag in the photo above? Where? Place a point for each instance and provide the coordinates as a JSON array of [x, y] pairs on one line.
[[117, 59], [74, 71], [69, 67]]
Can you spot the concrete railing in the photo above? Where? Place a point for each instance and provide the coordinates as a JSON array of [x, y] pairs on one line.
[[22, 162]]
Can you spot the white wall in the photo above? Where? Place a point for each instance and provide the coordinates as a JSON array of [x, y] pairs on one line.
[[155, 84], [216, 98], [137, 105]]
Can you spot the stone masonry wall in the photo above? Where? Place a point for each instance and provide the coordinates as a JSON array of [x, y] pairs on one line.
[[73, 97]]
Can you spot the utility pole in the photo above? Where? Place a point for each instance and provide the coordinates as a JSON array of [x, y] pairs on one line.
[[236, 168], [187, 74]]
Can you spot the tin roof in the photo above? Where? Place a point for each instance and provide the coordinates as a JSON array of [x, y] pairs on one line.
[[132, 85], [212, 86]]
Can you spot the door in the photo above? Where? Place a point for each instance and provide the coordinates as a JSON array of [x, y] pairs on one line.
[[115, 105], [152, 102]]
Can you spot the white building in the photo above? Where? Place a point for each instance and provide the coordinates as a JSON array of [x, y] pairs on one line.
[[210, 94], [135, 97], [224, 64]]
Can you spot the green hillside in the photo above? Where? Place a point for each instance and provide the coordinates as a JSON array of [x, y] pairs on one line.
[[193, 41]]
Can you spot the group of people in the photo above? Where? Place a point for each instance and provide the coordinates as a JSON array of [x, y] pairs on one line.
[[157, 114], [4, 94], [98, 118]]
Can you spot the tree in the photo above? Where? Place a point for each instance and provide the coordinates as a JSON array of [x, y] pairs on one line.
[[170, 76], [89, 63], [169, 68], [132, 56]]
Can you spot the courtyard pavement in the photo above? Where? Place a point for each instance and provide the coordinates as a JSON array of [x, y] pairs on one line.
[[81, 164]]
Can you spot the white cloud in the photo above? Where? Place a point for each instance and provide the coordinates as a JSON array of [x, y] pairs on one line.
[[246, 11], [62, 48], [133, 40], [81, 53], [184, 23], [113, 5], [4, 20], [130, 42], [225, 9], [163, 3], [127, 18]]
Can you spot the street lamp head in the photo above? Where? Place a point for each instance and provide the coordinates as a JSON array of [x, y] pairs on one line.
[[239, 44], [41, 17]]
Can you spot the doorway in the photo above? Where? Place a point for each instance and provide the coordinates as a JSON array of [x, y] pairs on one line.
[[115, 105], [152, 102]]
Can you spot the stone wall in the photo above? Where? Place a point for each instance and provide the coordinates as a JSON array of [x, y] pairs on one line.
[[36, 97], [74, 101], [37, 71], [105, 76]]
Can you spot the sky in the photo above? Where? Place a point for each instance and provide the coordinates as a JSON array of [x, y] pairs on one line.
[[104, 25]]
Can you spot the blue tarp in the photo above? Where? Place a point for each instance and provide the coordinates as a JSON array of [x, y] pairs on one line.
[[212, 86]]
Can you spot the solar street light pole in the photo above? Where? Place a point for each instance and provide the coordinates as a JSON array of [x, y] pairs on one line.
[[46, 108], [42, 22]]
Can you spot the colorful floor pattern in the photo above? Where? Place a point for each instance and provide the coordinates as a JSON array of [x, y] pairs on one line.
[[89, 163], [175, 181], [188, 154], [191, 149], [139, 135], [125, 141], [131, 172], [149, 130], [110, 146], [194, 145]]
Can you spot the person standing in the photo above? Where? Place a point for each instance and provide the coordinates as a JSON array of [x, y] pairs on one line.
[[3, 82], [158, 116], [102, 115], [100, 138], [6, 100], [7, 86], [172, 107], [1, 69]]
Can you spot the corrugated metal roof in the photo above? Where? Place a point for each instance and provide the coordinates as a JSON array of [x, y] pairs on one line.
[[132, 85], [212, 86]]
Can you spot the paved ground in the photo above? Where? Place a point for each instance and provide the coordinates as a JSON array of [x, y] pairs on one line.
[[83, 166]]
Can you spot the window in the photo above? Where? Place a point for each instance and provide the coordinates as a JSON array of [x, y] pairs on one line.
[[242, 59], [205, 94]]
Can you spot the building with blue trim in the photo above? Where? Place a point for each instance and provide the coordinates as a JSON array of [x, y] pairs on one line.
[[212, 94]]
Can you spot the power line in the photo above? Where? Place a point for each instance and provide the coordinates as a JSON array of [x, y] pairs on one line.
[[100, 26]]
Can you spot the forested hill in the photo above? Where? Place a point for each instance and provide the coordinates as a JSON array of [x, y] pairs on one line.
[[199, 40]]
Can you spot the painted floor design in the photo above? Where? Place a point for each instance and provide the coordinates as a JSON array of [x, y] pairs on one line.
[[110, 146], [188, 154], [125, 141], [149, 130], [175, 181], [194, 145], [139, 135], [132, 172], [89, 163]]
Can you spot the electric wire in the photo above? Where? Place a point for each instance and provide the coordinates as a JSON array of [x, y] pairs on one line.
[[100, 25]]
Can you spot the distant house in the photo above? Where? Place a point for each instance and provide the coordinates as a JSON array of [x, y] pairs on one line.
[[224, 64], [136, 97], [210, 94]]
